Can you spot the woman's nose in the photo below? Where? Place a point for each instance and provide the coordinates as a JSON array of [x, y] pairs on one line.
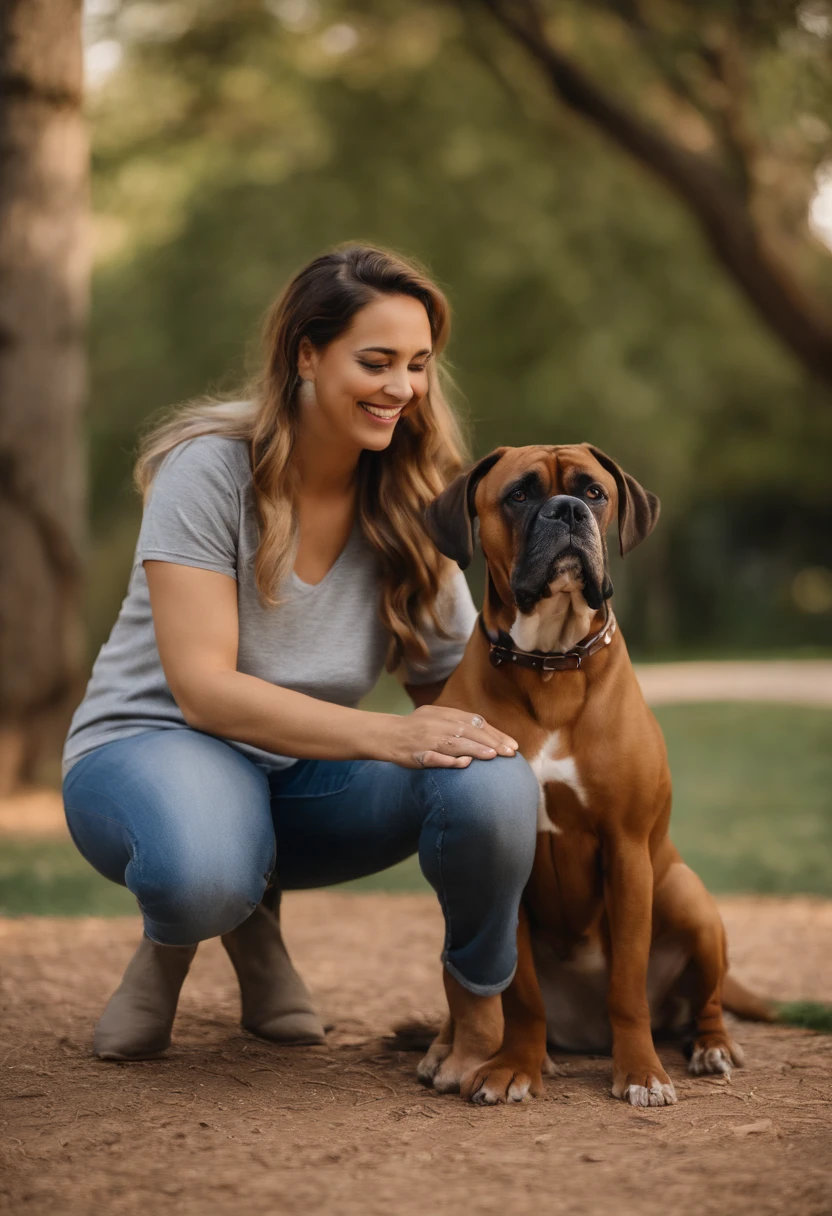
[[400, 389]]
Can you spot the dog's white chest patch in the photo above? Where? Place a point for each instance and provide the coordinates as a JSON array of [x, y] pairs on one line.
[[550, 767], [525, 630]]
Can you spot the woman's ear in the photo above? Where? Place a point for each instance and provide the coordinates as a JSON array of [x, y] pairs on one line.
[[306, 359], [450, 517]]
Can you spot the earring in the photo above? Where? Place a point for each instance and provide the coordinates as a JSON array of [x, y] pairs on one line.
[[306, 389]]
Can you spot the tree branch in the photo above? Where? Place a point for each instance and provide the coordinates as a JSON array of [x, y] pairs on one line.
[[798, 320], [726, 66]]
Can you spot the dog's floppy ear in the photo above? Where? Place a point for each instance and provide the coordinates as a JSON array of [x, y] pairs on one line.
[[450, 517], [638, 509]]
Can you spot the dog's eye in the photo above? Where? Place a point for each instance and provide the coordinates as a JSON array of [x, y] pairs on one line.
[[518, 496], [594, 493]]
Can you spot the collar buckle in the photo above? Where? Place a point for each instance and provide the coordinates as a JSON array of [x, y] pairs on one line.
[[561, 662]]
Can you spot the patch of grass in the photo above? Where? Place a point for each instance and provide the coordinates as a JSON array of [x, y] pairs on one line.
[[752, 795], [51, 878], [752, 813], [406, 876], [810, 1015]]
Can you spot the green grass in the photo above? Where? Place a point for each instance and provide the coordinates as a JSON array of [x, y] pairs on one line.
[[810, 1015], [752, 795], [51, 878], [752, 813]]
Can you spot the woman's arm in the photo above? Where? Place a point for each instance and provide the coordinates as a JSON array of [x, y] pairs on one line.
[[197, 631]]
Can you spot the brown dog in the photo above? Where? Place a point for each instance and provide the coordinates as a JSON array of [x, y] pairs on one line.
[[617, 936]]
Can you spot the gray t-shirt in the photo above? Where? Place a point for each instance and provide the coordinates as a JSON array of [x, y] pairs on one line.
[[325, 640]]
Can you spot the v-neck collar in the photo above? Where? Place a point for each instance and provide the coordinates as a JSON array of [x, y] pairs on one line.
[[298, 582]]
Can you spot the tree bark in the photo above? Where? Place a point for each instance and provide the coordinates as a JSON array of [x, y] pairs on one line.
[[44, 282], [798, 320]]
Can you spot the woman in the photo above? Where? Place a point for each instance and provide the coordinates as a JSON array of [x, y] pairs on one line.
[[218, 756]]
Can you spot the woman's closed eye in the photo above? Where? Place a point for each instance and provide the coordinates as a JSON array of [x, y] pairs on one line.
[[381, 367]]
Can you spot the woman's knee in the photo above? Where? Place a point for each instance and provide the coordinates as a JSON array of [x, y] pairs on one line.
[[190, 898], [187, 820], [495, 803], [183, 907]]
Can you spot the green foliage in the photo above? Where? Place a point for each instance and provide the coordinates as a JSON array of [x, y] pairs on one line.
[[239, 140]]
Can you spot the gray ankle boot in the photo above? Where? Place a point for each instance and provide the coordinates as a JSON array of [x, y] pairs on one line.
[[276, 1004], [137, 1021]]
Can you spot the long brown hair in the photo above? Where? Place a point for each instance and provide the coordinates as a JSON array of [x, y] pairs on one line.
[[426, 452]]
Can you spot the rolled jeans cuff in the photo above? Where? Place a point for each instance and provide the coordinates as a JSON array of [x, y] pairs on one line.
[[477, 989]]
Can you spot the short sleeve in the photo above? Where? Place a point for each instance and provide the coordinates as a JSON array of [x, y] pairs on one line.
[[193, 511], [457, 612]]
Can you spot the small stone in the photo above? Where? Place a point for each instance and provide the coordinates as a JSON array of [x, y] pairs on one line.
[[752, 1129]]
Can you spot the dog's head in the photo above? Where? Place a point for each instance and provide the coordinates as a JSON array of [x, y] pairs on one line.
[[543, 513]]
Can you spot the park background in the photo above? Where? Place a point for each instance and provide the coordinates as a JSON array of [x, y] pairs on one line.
[[231, 142], [629, 203]]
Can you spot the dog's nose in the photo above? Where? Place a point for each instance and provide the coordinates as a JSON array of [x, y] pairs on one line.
[[563, 508]]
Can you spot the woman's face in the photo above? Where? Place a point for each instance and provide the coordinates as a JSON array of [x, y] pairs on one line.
[[364, 379]]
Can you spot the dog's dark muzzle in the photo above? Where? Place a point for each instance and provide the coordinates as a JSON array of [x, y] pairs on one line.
[[566, 511], [563, 527]]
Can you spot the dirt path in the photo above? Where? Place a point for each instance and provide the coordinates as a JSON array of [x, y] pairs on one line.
[[229, 1125], [793, 682]]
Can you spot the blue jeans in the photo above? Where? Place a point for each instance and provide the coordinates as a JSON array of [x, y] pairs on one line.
[[196, 829]]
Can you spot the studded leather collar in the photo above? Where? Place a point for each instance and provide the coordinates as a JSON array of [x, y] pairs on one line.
[[503, 649]]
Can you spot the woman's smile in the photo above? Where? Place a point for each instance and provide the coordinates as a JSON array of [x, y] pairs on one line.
[[383, 413]]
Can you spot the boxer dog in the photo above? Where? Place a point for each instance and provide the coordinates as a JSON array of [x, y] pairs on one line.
[[617, 937]]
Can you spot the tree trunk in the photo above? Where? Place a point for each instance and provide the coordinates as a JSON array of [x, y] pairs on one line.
[[44, 278]]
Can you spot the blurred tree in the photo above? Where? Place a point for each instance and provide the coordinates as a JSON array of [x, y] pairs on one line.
[[43, 300], [690, 119], [233, 141]]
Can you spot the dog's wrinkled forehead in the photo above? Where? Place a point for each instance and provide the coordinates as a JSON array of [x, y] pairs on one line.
[[546, 470]]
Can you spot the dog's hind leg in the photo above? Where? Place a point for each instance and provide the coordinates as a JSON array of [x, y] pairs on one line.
[[684, 905], [437, 1053]]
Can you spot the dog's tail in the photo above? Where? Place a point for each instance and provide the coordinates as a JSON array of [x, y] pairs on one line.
[[414, 1034], [739, 1000], [745, 1004]]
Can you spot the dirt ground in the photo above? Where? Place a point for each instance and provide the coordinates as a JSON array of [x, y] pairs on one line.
[[228, 1124]]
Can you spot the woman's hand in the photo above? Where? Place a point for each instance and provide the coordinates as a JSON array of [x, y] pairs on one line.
[[434, 736]]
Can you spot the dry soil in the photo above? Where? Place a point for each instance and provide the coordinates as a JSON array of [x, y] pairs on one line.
[[227, 1124]]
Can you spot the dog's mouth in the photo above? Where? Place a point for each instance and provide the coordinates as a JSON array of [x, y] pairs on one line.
[[571, 571], [566, 573]]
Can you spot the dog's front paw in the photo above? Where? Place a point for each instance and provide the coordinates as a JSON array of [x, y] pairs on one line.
[[714, 1057], [430, 1063], [651, 1088], [500, 1080], [455, 1065]]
